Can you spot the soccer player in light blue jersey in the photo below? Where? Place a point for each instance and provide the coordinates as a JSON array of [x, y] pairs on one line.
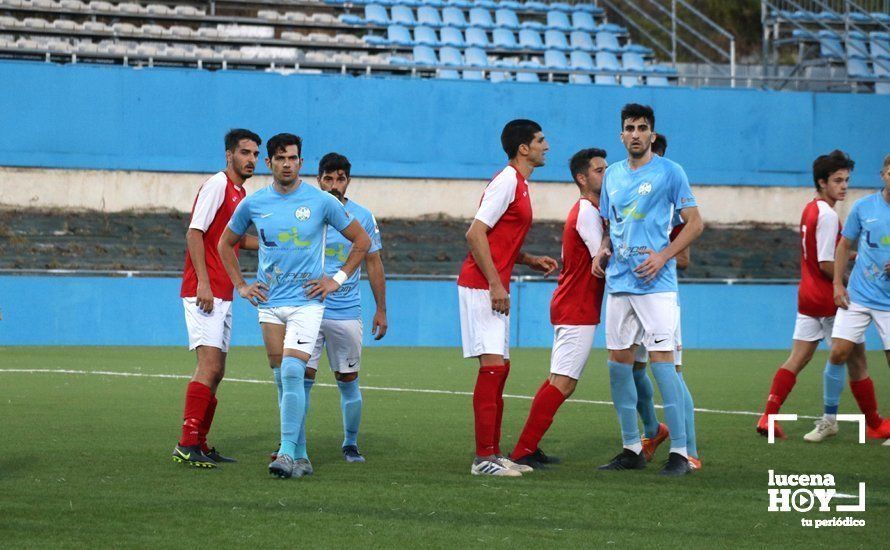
[[341, 327], [292, 221], [639, 198], [866, 298]]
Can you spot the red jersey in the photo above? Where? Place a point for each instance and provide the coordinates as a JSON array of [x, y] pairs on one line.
[[211, 211], [507, 209], [579, 295], [820, 230]]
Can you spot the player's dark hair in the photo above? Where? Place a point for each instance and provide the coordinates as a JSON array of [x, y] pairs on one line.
[[235, 135], [826, 165], [279, 142], [518, 132], [886, 161], [581, 160], [333, 163], [660, 145], [635, 110]]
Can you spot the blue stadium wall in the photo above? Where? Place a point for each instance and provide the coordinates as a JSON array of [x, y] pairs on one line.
[[162, 119], [98, 311]]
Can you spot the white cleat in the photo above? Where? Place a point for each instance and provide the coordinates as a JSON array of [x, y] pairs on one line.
[[887, 443], [509, 464], [492, 468], [823, 430]]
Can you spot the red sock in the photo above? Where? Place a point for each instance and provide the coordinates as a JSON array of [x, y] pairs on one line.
[[540, 417], [205, 426], [197, 400], [783, 382], [864, 392], [485, 407], [500, 416]]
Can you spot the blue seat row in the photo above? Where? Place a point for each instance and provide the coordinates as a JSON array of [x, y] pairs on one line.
[[826, 16], [530, 6], [856, 44], [497, 76]]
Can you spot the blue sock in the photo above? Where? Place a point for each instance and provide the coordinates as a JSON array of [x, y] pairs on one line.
[[293, 404], [624, 397], [646, 402], [276, 372], [351, 406], [301, 451], [672, 399], [691, 446], [833, 378]]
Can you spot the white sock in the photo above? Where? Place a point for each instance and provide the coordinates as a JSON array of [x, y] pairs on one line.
[[831, 418], [637, 447], [680, 451]]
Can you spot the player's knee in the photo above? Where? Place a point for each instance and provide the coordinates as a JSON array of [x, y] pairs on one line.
[[625, 356], [345, 376], [565, 384]]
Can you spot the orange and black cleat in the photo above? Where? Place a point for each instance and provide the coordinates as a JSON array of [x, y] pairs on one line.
[[649, 445], [763, 428]]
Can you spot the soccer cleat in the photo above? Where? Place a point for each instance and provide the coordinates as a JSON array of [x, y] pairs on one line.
[[823, 430], [881, 432], [626, 460], [282, 466], [192, 456], [649, 445], [302, 467], [676, 465], [218, 458], [485, 467], [694, 463], [507, 463], [351, 454], [887, 443], [763, 428], [540, 457], [528, 460]]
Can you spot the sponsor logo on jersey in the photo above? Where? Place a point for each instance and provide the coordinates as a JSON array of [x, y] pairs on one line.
[[291, 238], [337, 251], [645, 188]]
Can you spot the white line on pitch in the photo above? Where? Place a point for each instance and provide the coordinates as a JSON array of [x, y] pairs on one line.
[[369, 388]]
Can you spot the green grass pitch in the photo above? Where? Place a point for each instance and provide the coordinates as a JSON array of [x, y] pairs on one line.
[[85, 459]]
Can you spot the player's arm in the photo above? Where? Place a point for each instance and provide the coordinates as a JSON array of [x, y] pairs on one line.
[[601, 260], [361, 242], [194, 239], [692, 229], [377, 278], [253, 293], [683, 258], [477, 241], [841, 258], [544, 264], [249, 242]]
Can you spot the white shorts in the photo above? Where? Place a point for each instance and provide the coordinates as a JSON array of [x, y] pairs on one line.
[[343, 341], [813, 329], [482, 330], [641, 355], [301, 324], [571, 348], [208, 329], [652, 315], [850, 324]]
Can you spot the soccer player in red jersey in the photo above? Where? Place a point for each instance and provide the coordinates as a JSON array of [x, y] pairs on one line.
[[820, 230], [495, 240], [207, 295], [574, 309]]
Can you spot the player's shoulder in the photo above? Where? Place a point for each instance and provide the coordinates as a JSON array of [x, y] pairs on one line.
[[508, 175], [215, 182], [585, 207], [357, 210], [825, 210], [668, 166]]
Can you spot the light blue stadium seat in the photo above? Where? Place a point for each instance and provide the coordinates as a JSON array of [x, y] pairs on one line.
[[474, 75], [453, 17], [657, 80], [607, 61], [826, 16], [858, 68], [607, 79], [879, 44], [426, 36], [583, 21], [612, 28], [530, 39], [580, 79], [351, 19], [510, 5], [881, 16], [447, 74], [632, 62], [374, 40], [589, 8], [803, 15], [561, 6], [859, 17], [506, 19], [555, 59], [637, 48], [424, 55], [830, 45], [581, 61], [556, 40], [505, 39], [477, 37], [535, 6], [437, 4], [487, 4], [450, 36], [500, 76], [856, 45], [528, 77], [480, 17], [402, 15], [475, 57], [398, 35], [607, 41], [375, 14], [558, 20], [580, 40], [882, 70], [429, 16], [459, 4], [449, 56]]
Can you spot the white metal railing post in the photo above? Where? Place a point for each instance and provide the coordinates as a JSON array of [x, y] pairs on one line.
[[732, 67]]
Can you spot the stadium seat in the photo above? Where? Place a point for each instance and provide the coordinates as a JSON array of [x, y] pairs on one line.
[[606, 61], [556, 40], [375, 14], [856, 45], [561, 6], [161, 9], [530, 39], [188, 11], [803, 15], [632, 62], [882, 70], [402, 15], [637, 48], [506, 19], [580, 79], [607, 41], [473, 75], [181, 31], [475, 57], [447, 74], [449, 56], [580, 40], [481, 18], [450, 36], [583, 21], [424, 55], [98, 27], [351, 19], [398, 35], [64, 25], [123, 28], [428, 16], [527, 77], [453, 17], [477, 37], [581, 61], [657, 80], [879, 44], [612, 28], [858, 68], [830, 45], [500, 76], [459, 4], [73, 5], [426, 36], [558, 20], [504, 39], [535, 6], [486, 4], [826, 16], [39, 23], [881, 16], [554, 59]]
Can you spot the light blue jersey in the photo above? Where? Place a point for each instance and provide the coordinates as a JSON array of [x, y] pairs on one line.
[[346, 302], [869, 222], [640, 206], [292, 230]]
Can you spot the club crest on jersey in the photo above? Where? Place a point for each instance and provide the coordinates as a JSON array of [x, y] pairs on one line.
[[645, 188], [302, 213]]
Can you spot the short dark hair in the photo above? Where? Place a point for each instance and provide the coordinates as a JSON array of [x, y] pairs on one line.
[[660, 145], [635, 110], [826, 165], [581, 160], [235, 135], [332, 163], [279, 142], [518, 132]]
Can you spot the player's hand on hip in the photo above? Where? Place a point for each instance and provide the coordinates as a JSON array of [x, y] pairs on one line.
[[841, 297], [544, 264], [650, 267], [254, 293], [379, 325], [600, 262], [204, 298], [321, 287], [500, 300]]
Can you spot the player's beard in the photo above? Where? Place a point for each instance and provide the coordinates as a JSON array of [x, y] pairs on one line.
[[337, 194]]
